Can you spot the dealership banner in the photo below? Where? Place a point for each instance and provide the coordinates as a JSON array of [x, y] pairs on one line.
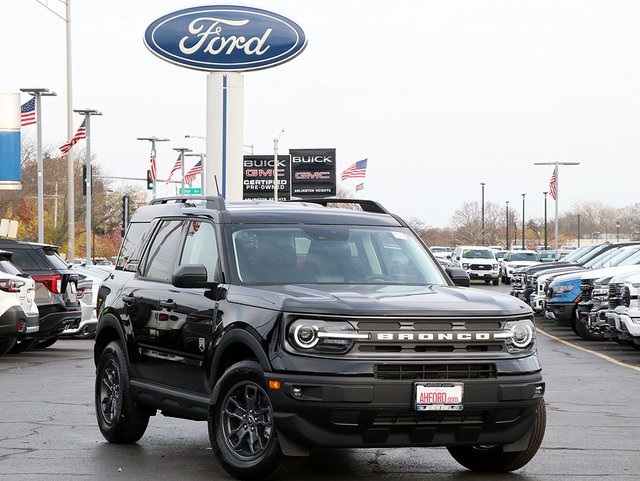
[[313, 172], [258, 177]]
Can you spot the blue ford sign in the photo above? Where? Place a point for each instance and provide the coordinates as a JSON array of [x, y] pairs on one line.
[[225, 38]]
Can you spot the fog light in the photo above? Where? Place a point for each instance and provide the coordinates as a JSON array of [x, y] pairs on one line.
[[538, 391], [297, 391]]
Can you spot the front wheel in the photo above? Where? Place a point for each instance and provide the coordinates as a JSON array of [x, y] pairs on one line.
[[120, 419], [493, 459], [581, 329], [242, 429]]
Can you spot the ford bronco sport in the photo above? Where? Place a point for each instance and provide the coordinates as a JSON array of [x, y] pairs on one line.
[[290, 327]]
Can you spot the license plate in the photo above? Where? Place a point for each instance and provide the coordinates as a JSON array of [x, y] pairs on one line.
[[438, 396]]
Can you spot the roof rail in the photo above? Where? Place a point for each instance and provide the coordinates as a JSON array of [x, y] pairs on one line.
[[211, 201], [365, 204]]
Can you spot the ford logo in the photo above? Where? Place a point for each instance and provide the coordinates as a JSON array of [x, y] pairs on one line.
[[225, 38]]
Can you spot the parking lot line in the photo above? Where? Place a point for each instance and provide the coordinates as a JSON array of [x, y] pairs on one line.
[[579, 348]]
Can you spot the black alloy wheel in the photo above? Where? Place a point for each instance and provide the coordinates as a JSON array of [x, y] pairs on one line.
[[247, 420]]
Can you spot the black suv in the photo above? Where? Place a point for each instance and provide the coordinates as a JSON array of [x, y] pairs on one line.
[[290, 327], [56, 286]]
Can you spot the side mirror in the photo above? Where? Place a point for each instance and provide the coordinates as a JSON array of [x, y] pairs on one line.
[[458, 276], [190, 276]]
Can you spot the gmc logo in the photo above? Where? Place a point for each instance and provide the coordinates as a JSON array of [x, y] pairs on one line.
[[312, 175]]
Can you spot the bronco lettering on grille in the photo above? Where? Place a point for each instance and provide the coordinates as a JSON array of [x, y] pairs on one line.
[[432, 336]]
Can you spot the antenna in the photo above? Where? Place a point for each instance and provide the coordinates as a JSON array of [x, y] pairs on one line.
[[215, 178]]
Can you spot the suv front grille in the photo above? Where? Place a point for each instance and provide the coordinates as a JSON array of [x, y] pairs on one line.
[[586, 286], [434, 371], [480, 267], [615, 295]]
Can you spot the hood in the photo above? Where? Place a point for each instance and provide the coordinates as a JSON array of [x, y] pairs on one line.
[[379, 300], [518, 264], [611, 271]]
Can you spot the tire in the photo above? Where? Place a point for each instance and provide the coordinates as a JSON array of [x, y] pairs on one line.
[[247, 450], [492, 459], [582, 330], [120, 419], [506, 280], [22, 345], [487, 281], [6, 343], [46, 343], [495, 282]]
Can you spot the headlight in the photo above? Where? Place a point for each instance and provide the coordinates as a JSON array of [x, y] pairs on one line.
[[519, 335], [562, 288], [312, 335], [495, 266], [465, 266], [626, 296]]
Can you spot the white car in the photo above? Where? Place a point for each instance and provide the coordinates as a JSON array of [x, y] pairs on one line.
[[88, 284], [18, 311], [478, 262], [515, 259]]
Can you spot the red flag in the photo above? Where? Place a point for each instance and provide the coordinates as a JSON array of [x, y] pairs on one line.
[[152, 162], [191, 175], [28, 113], [176, 167], [80, 134], [552, 185]]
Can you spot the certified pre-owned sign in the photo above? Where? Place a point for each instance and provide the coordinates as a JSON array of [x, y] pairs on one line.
[[225, 38]]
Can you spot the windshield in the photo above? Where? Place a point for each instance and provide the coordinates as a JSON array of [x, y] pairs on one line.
[[477, 254], [331, 255], [578, 253], [523, 256], [601, 258]]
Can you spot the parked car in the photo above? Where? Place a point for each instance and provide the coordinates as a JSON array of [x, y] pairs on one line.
[[479, 263], [516, 259], [89, 281], [55, 293], [441, 251], [18, 310]]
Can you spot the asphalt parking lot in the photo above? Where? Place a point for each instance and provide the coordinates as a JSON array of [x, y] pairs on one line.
[[48, 429]]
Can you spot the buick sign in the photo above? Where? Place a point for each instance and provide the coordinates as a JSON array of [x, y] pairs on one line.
[[225, 38]]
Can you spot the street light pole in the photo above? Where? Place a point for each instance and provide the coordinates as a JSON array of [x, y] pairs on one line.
[[276, 181], [482, 184], [545, 220], [618, 231], [182, 150], [87, 123], [507, 238], [38, 93], [523, 195], [153, 141]]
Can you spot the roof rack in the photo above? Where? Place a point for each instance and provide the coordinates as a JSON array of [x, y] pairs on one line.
[[211, 201], [365, 204]]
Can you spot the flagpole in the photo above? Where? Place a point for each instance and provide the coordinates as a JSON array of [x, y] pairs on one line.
[[557, 190], [181, 151]]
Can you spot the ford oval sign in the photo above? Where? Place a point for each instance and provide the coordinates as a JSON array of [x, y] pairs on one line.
[[225, 38]]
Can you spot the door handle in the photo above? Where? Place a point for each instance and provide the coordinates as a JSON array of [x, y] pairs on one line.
[[128, 300], [168, 304]]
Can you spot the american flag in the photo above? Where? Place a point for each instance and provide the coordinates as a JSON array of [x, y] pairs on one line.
[[28, 113], [191, 175], [360, 186], [80, 134], [356, 170], [553, 185], [152, 162], [176, 167]]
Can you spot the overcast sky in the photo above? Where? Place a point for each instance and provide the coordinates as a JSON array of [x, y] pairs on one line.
[[438, 95]]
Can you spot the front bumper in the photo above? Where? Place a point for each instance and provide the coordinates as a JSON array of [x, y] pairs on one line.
[[358, 411], [482, 275], [560, 311]]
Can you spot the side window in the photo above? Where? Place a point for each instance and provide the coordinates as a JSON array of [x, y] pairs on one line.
[[129, 256], [163, 251], [201, 247]]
